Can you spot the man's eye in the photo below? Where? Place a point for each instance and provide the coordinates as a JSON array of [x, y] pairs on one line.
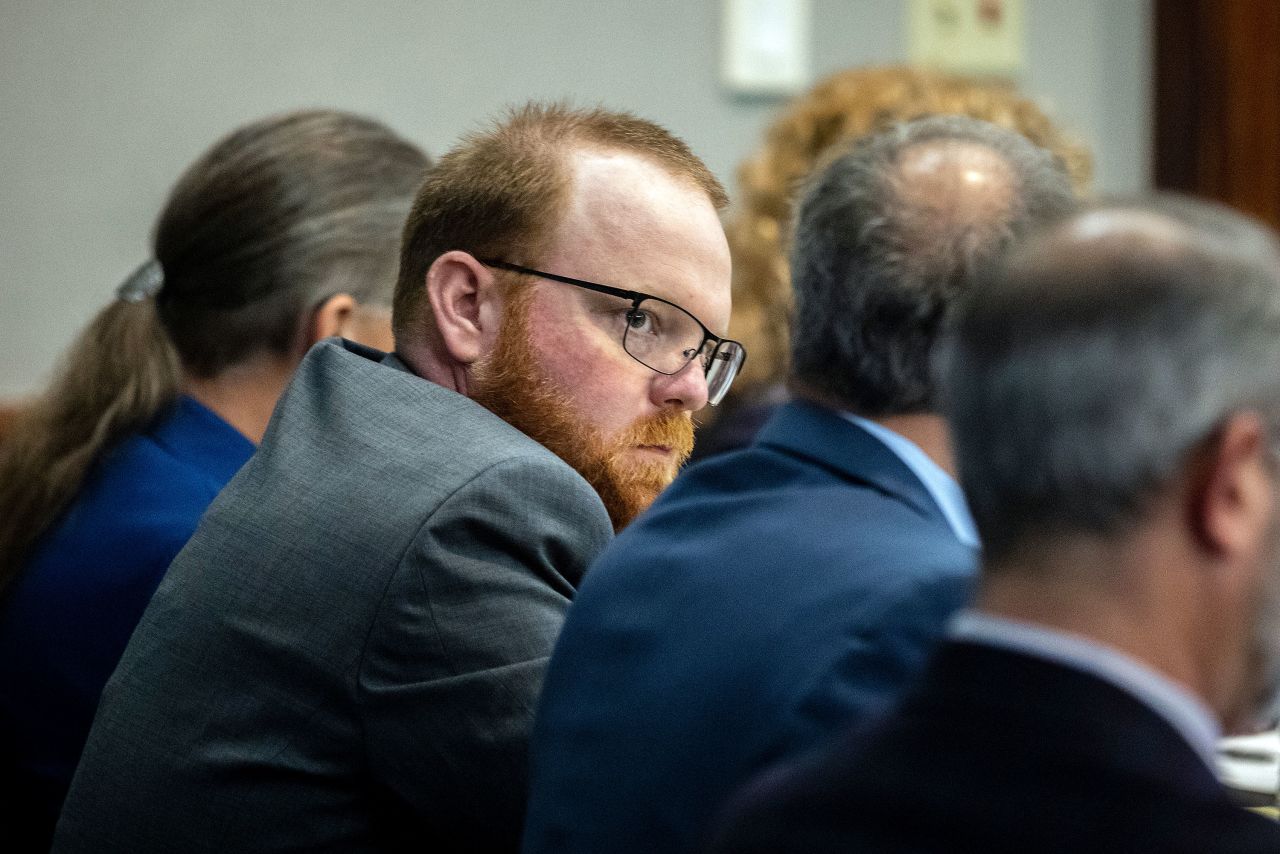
[[639, 320]]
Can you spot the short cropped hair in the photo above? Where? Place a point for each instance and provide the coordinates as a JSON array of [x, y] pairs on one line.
[[502, 191], [1080, 377], [876, 267]]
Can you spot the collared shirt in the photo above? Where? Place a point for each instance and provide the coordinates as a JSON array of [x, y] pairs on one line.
[[946, 493], [1185, 712]]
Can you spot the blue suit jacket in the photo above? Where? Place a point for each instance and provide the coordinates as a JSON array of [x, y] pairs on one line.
[[769, 598]]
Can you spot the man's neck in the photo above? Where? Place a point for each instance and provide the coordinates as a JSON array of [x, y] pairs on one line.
[[425, 361], [1124, 595], [928, 432]]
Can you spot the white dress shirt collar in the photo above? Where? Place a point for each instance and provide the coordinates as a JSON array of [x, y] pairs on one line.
[[942, 487]]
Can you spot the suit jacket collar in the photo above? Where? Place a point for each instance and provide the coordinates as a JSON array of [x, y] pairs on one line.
[[1069, 711], [806, 430], [1186, 712]]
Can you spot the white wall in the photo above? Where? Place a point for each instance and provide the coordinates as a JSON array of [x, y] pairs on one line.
[[103, 103]]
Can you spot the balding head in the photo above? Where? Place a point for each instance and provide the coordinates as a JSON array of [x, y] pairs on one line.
[[1112, 344], [949, 191], [889, 234]]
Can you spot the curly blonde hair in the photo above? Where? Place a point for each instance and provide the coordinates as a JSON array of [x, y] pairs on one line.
[[846, 105]]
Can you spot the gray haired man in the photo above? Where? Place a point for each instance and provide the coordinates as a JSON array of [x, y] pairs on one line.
[[1114, 399]]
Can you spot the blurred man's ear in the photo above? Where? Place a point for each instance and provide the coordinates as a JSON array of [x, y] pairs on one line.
[[1233, 491], [463, 294]]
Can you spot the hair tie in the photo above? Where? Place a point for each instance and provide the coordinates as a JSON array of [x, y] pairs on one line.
[[144, 283]]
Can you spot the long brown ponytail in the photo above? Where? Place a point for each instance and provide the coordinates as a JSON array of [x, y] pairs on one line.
[[275, 217], [120, 372]]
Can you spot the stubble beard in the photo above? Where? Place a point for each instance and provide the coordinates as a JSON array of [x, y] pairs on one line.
[[1255, 705], [1266, 640], [509, 383]]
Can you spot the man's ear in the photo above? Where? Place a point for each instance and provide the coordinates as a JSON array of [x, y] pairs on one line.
[[1233, 490], [329, 318], [463, 294]]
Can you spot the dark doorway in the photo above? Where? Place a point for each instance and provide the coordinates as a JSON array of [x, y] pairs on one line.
[[1217, 111]]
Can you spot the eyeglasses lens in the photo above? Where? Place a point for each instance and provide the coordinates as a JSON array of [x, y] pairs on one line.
[[726, 359], [662, 336], [666, 338]]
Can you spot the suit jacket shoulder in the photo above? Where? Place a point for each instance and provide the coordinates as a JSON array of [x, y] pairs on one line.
[[767, 598]]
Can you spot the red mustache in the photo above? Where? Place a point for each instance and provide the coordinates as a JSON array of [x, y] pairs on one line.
[[672, 430]]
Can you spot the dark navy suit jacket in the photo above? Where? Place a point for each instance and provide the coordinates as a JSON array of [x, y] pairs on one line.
[[1000, 752], [769, 598]]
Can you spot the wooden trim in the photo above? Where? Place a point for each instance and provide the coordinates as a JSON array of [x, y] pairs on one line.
[[1217, 122]]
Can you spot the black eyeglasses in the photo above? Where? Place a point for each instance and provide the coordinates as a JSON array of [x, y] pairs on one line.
[[661, 335]]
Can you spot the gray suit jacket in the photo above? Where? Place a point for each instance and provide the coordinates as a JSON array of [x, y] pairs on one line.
[[347, 654]]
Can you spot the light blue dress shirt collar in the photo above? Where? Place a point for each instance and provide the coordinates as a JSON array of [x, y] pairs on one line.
[[942, 487], [1184, 711]]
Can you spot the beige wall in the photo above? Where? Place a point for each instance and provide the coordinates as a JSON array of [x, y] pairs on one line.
[[103, 103]]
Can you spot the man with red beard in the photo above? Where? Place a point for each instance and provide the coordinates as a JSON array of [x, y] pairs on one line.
[[347, 654], [511, 384]]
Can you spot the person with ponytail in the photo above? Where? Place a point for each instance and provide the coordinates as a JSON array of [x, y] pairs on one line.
[[285, 232]]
